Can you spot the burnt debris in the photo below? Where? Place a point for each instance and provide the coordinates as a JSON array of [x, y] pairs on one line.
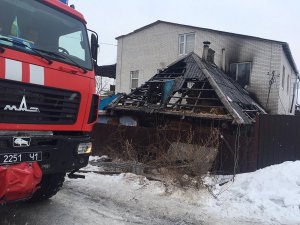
[[192, 87]]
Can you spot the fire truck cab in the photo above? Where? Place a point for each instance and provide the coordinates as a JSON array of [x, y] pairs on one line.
[[48, 103]]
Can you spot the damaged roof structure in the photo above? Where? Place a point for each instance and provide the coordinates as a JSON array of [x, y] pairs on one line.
[[192, 87]]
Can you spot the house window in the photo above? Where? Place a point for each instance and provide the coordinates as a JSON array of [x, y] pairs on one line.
[[283, 77], [241, 72], [186, 43], [134, 77], [288, 84]]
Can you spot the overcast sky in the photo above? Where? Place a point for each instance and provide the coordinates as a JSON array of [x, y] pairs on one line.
[[271, 19]]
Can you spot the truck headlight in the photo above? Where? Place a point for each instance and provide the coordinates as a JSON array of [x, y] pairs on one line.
[[85, 148]]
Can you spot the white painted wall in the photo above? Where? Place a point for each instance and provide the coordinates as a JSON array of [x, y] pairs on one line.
[[157, 46], [285, 100]]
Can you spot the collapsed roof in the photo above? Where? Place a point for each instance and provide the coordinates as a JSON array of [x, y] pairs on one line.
[[191, 87]]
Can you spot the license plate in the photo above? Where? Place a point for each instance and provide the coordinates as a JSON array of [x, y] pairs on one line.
[[20, 157]]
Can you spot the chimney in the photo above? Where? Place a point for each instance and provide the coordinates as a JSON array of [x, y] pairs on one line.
[[208, 53], [223, 59], [205, 50], [211, 56]]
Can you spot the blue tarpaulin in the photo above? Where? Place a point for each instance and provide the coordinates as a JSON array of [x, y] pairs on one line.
[[167, 89], [106, 101]]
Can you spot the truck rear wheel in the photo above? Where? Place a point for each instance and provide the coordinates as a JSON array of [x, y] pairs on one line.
[[49, 186]]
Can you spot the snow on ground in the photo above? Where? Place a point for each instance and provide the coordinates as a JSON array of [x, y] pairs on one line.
[[98, 158], [271, 194], [90, 167], [267, 196]]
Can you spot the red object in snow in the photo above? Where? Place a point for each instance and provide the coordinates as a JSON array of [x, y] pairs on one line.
[[19, 181]]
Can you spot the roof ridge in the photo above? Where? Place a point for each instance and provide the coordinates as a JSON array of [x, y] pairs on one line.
[[223, 98], [285, 45]]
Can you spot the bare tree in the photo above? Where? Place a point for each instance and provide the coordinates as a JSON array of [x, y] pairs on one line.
[[102, 85]]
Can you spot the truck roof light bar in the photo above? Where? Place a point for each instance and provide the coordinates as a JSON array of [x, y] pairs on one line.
[[65, 1]]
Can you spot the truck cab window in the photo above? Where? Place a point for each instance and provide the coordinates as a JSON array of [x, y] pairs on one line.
[[72, 44], [41, 27]]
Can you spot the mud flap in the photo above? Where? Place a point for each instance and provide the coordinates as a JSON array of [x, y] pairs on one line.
[[19, 181]]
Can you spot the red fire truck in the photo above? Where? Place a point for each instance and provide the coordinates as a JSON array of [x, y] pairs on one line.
[[48, 103]]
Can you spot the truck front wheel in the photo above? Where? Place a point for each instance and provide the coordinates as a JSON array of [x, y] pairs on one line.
[[49, 186]]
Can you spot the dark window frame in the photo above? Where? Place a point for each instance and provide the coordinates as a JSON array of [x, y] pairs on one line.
[[283, 77], [235, 75]]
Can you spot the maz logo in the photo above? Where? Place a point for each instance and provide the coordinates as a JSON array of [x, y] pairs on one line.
[[22, 107]]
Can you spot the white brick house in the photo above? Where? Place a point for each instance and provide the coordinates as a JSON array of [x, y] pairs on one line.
[[251, 60]]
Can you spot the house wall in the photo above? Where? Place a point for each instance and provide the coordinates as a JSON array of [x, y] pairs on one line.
[[147, 51], [157, 46], [285, 100]]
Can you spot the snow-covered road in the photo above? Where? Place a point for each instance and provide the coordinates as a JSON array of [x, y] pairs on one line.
[[80, 205], [72, 207], [268, 196], [87, 202]]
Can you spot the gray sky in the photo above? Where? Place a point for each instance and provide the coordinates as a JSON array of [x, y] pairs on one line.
[[271, 19]]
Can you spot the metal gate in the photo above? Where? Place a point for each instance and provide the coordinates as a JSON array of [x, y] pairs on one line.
[[278, 139]]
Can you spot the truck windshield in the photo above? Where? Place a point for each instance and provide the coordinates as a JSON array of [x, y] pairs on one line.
[[43, 28]]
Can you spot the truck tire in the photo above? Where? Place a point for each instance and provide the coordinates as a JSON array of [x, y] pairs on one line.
[[49, 186]]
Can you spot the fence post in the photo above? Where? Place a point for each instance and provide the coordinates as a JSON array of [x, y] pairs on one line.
[[254, 159]]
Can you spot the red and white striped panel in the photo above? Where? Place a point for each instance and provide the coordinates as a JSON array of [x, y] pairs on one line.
[[19, 71]]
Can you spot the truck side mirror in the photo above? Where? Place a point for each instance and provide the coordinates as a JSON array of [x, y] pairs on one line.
[[94, 46]]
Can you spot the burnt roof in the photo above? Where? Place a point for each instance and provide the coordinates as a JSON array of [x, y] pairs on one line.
[[285, 45], [192, 87]]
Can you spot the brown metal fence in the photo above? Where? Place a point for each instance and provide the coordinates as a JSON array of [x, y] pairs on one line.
[[278, 139], [274, 139], [151, 142]]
